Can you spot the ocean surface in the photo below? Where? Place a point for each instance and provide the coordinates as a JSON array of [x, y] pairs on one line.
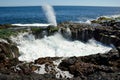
[[35, 14]]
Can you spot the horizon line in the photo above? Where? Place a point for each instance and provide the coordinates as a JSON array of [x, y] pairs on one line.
[[59, 5]]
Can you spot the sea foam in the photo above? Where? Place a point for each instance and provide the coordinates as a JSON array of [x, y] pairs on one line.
[[54, 46], [34, 24]]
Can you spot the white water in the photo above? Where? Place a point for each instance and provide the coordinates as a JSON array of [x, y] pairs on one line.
[[59, 73], [88, 21], [112, 16], [84, 22], [50, 14], [54, 46], [34, 24]]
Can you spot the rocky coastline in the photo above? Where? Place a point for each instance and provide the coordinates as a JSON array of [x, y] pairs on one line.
[[92, 67]]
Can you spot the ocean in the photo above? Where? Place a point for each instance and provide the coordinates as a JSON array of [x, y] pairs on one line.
[[35, 14]]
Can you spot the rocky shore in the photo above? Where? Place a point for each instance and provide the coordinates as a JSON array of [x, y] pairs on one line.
[[92, 67]]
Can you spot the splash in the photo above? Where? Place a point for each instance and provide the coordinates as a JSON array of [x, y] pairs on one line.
[[50, 15], [55, 46]]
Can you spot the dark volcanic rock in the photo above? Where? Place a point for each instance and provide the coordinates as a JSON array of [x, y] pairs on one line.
[[8, 50], [104, 76], [107, 21], [102, 59], [47, 59], [83, 32], [4, 26], [118, 48], [41, 32], [87, 66]]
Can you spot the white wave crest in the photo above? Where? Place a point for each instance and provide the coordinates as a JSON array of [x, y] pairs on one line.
[[34, 24]]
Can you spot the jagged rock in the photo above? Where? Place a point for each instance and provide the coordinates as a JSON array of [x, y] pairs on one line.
[[41, 32], [83, 32], [66, 63], [26, 68], [8, 58], [104, 76], [101, 59], [87, 65], [44, 60], [107, 21], [118, 48], [8, 50]]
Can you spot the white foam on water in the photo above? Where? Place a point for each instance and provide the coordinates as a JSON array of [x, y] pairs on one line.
[[63, 74], [41, 70], [54, 46], [84, 22], [3, 40], [88, 21], [109, 16], [58, 73], [34, 24], [113, 16]]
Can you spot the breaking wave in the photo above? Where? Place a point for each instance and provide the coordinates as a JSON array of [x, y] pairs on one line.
[[34, 24], [55, 46]]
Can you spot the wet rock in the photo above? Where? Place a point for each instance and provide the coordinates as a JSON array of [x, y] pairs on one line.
[[8, 56], [26, 68], [107, 21], [41, 32], [85, 66], [81, 69], [46, 60], [101, 59], [43, 60], [66, 63], [118, 48], [15, 51], [104, 76], [8, 50], [83, 32]]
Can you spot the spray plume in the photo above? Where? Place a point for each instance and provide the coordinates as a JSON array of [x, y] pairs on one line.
[[50, 15]]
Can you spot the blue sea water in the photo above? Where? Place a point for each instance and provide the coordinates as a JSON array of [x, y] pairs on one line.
[[35, 14]]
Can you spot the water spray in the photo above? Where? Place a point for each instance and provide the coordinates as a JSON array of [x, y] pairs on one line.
[[50, 14]]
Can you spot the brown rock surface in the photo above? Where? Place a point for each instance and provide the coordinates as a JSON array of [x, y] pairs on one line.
[[86, 66]]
